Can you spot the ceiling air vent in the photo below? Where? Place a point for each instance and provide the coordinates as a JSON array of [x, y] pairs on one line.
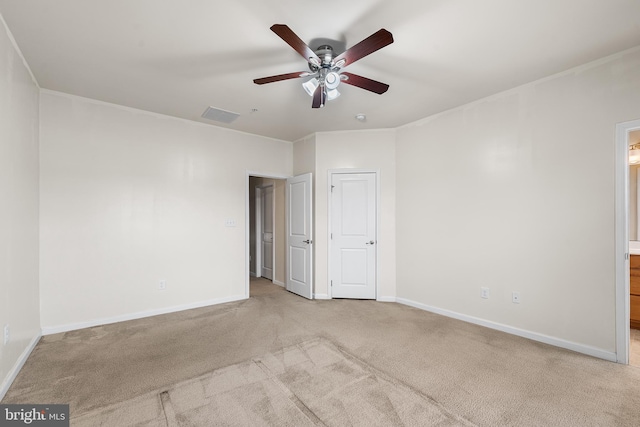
[[219, 115]]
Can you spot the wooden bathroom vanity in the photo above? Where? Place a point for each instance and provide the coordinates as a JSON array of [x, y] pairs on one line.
[[634, 286]]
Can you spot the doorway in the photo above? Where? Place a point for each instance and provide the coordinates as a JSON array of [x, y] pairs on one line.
[[623, 248], [633, 142], [265, 228]]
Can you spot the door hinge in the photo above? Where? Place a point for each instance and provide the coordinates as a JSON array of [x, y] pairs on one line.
[[626, 256], [332, 283], [332, 187], [331, 236]]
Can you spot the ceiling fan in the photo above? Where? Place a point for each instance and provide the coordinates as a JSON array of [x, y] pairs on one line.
[[326, 67]]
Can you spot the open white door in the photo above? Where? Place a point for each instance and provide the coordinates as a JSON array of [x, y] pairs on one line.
[[299, 239]]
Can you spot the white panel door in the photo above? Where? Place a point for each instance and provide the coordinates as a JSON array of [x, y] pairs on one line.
[[266, 239], [353, 235], [299, 239]]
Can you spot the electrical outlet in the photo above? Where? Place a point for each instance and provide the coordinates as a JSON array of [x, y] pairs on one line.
[[515, 297], [484, 293], [162, 285], [6, 335]]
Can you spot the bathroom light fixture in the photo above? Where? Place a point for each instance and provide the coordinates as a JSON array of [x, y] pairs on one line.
[[634, 154]]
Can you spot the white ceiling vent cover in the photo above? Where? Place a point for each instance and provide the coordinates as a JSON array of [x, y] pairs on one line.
[[219, 115]]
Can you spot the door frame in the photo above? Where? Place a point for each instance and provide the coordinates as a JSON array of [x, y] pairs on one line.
[[258, 212], [345, 171], [247, 225], [622, 238]]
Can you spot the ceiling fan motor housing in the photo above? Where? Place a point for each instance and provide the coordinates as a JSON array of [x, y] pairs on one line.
[[326, 55]]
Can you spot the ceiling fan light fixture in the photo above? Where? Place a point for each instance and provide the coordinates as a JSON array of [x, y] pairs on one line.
[[311, 85], [326, 67], [332, 80], [332, 94]]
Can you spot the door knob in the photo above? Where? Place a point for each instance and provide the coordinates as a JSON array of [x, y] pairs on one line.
[[370, 242], [307, 241]]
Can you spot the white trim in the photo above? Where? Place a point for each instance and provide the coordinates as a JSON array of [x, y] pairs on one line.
[[387, 299], [367, 131], [48, 330], [247, 237], [622, 238], [321, 296], [330, 174], [157, 115], [569, 345], [13, 373], [257, 217], [277, 282], [274, 239], [577, 69], [18, 51]]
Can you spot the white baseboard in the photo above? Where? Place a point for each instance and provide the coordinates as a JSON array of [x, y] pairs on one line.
[[11, 376], [321, 296], [48, 330], [277, 282], [386, 299], [558, 342]]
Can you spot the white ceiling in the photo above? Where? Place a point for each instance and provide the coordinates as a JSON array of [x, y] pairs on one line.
[[178, 57]]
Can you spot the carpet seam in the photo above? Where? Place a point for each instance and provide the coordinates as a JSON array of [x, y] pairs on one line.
[[164, 401], [393, 380], [290, 394]]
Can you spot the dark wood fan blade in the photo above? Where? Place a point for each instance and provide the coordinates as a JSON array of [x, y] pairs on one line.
[[286, 34], [365, 83], [369, 45], [280, 77], [318, 98]]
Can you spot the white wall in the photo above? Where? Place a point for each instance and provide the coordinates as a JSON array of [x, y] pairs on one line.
[[129, 198], [19, 293], [304, 156], [516, 193], [357, 150]]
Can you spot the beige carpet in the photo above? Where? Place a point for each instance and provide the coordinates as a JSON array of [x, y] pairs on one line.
[[634, 347], [310, 384], [460, 371]]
